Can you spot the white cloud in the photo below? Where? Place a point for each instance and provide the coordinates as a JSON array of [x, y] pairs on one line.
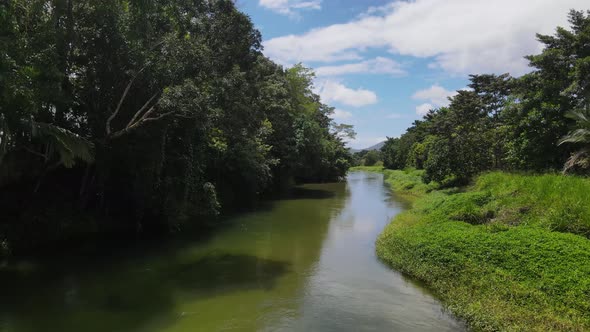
[[423, 109], [289, 7], [461, 36], [341, 114], [379, 65], [332, 91], [435, 95]]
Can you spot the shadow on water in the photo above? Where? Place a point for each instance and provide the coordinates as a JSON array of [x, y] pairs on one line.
[[138, 286], [306, 193], [127, 300], [268, 203], [323, 274], [228, 272]]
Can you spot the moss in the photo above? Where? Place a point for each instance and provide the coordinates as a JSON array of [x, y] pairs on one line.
[[510, 252]]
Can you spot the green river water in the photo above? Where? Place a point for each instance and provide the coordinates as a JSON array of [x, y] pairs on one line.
[[301, 263]]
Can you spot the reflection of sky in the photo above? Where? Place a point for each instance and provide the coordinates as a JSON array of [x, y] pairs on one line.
[[368, 207], [350, 289]]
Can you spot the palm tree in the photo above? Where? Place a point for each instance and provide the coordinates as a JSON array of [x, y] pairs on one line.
[[581, 135], [55, 146], [64, 144]]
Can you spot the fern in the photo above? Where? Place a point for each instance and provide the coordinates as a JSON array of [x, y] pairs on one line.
[[67, 145]]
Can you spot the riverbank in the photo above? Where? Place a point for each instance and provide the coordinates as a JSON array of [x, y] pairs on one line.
[[301, 262], [510, 252]]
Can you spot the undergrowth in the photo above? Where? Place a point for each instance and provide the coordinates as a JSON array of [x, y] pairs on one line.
[[510, 252]]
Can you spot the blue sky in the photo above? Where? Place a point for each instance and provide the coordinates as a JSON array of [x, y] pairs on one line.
[[382, 64]]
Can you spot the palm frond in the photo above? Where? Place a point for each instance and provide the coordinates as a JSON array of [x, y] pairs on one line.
[[580, 116], [68, 145], [581, 135], [579, 159]]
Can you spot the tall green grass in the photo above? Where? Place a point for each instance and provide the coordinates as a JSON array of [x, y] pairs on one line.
[[367, 168], [511, 252], [407, 182], [560, 203]]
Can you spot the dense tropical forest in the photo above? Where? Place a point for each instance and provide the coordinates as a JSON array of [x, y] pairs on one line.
[[537, 122], [147, 116], [122, 119]]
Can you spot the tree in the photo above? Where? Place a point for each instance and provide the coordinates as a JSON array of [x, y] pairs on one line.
[[149, 115], [558, 85], [509, 123], [389, 152], [372, 157]]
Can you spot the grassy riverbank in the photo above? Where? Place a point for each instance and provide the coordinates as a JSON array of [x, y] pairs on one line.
[[510, 252], [407, 183]]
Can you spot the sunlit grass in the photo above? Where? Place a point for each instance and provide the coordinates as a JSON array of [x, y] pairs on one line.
[[509, 252], [367, 168]]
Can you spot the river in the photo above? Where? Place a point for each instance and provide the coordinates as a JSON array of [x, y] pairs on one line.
[[305, 262]]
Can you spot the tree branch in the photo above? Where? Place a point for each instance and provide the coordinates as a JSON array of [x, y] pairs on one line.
[[123, 97], [141, 110], [144, 119]]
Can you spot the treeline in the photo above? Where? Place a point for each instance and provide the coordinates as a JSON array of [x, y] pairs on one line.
[[136, 115], [537, 122]]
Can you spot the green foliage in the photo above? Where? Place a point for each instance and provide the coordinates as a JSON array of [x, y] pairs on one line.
[[408, 182], [510, 252], [154, 114], [497, 254], [418, 153], [390, 153], [581, 158], [66, 144], [556, 202], [371, 158], [507, 123], [367, 168]]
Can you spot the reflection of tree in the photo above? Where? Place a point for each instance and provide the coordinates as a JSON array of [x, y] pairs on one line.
[[127, 294], [128, 299], [211, 275]]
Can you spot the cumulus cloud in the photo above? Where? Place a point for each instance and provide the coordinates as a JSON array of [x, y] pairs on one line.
[[341, 114], [423, 109], [290, 7], [435, 95], [333, 91], [379, 65], [461, 36]]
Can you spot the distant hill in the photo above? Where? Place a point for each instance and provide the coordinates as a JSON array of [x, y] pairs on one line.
[[377, 146]]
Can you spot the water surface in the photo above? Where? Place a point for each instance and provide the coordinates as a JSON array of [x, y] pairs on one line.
[[302, 263]]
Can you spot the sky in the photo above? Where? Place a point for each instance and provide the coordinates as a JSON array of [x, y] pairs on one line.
[[383, 64]]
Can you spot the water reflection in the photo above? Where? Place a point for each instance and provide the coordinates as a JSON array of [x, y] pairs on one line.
[[351, 290], [217, 273], [303, 262]]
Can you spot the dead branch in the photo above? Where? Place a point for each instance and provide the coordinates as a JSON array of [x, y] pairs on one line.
[[136, 115], [121, 100], [144, 119]]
